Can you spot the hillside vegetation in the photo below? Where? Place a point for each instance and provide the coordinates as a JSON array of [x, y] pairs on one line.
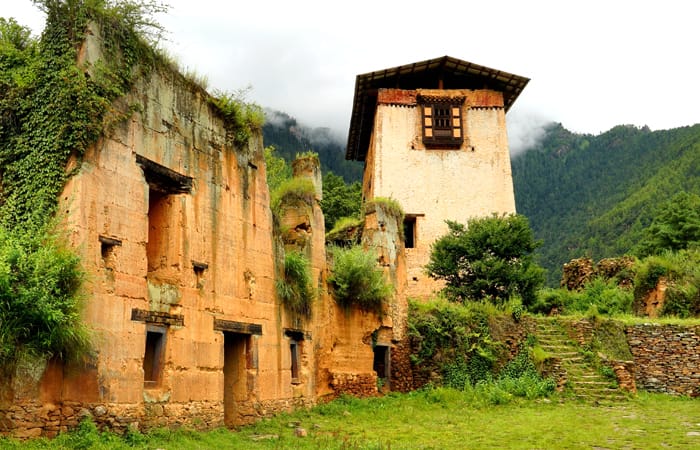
[[593, 196], [290, 138]]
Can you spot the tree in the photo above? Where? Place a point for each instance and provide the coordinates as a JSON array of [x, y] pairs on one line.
[[676, 226], [489, 258], [278, 171], [340, 199]]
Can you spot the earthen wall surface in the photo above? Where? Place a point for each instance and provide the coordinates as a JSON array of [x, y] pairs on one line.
[[173, 226]]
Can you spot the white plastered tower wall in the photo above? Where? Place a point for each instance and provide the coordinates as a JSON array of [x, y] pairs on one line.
[[435, 184], [432, 135]]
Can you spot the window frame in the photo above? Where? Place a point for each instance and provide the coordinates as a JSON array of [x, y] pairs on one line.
[[444, 130]]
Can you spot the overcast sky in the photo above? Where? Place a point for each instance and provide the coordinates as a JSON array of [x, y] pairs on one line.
[[593, 64]]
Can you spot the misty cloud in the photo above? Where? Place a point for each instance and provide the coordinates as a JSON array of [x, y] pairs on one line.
[[525, 129]]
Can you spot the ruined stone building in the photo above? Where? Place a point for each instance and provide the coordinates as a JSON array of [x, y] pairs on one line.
[[173, 224], [432, 135]]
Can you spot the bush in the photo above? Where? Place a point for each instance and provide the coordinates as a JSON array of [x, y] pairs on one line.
[[649, 271], [489, 258], [550, 299], [682, 272], [356, 280], [294, 289], [454, 340], [40, 299], [603, 295]]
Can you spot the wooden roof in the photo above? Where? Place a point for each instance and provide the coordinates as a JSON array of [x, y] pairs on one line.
[[452, 73]]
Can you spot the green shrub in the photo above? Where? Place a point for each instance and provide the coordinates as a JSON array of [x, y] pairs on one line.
[[682, 300], [681, 270], [295, 288], [357, 281], [650, 270], [454, 340], [488, 258], [40, 299], [602, 296], [549, 299]]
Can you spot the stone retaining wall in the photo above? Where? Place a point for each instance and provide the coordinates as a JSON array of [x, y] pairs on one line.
[[355, 384], [667, 358], [34, 419]]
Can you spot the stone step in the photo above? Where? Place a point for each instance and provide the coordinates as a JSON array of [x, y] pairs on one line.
[[586, 384]]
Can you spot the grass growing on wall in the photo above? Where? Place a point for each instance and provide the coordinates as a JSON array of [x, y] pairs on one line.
[[241, 118], [295, 289], [390, 206], [292, 192], [357, 281]]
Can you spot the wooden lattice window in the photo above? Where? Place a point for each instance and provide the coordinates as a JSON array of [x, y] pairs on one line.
[[442, 121]]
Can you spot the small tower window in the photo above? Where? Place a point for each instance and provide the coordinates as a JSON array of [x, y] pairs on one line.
[[409, 231]]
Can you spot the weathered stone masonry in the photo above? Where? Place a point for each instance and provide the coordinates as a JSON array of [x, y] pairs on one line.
[[667, 358]]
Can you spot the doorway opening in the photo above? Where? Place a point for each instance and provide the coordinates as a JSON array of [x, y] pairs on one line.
[[235, 375]]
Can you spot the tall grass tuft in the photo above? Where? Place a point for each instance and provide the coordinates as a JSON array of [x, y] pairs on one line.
[[390, 205], [295, 289], [357, 281], [292, 191]]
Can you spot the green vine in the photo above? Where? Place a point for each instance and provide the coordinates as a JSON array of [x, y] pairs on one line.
[[52, 109]]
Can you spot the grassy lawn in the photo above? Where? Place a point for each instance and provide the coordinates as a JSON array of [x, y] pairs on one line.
[[435, 419]]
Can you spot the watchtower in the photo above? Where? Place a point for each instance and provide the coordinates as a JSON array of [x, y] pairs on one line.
[[432, 135]]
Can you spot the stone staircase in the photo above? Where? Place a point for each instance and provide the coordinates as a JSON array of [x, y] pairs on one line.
[[582, 380]]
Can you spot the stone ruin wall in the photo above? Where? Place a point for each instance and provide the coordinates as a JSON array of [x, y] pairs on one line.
[[206, 272], [666, 357]]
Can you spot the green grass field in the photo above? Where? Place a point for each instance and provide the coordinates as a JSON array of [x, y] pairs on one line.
[[433, 419]]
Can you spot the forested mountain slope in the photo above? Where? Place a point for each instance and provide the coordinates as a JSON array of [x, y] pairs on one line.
[[289, 138], [592, 196]]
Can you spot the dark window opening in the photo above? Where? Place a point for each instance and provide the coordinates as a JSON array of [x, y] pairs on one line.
[[159, 214], [380, 364], [153, 357], [409, 232], [294, 350]]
